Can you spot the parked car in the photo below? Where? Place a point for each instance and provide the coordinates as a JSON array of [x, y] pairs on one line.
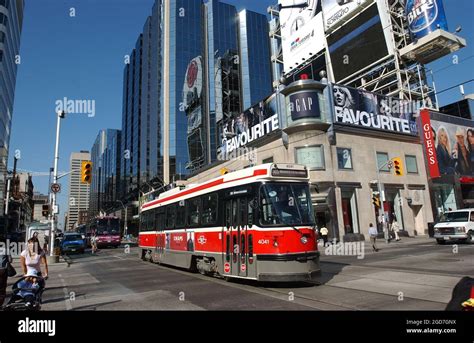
[[455, 226], [72, 242]]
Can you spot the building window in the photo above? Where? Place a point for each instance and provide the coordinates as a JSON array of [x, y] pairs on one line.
[[350, 211], [267, 160], [382, 162], [344, 158], [311, 156], [411, 164]]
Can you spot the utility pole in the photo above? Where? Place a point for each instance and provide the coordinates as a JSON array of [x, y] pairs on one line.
[[381, 190], [60, 115]]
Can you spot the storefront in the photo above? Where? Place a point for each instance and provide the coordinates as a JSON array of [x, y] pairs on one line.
[[343, 158], [449, 156]]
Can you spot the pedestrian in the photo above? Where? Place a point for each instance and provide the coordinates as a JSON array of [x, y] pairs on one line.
[[395, 228], [373, 233], [324, 234], [32, 257], [94, 242], [4, 267]]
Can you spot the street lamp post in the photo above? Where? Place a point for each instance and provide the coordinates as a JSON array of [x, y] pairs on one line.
[[61, 115], [381, 190]]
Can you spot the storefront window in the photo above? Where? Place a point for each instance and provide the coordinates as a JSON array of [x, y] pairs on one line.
[[412, 167], [393, 210], [445, 199], [349, 211], [382, 161], [311, 156], [344, 158]]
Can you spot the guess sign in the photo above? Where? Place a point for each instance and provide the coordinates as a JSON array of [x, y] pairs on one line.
[[429, 142]]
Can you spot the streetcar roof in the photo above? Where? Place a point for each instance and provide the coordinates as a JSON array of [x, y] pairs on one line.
[[264, 172]]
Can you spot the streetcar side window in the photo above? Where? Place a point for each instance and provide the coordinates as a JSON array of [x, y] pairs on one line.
[[228, 213], [235, 213], [142, 220], [243, 212], [154, 220], [181, 215], [193, 210], [160, 219], [250, 206], [170, 216], [209, 209]]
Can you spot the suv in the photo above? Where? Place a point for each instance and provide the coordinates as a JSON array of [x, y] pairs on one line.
[[72, 242], [454, 226]]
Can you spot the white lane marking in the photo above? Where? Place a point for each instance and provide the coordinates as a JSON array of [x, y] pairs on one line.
[[66, 294]]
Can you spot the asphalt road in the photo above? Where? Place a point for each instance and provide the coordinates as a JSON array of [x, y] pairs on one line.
[[415, 274]]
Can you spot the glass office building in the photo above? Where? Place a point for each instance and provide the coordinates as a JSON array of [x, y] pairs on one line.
[[255, 58], [105, 158], [11, 21], [210, 75], [131, 122], [186, 43]]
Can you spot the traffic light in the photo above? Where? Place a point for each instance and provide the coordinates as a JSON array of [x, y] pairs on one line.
[[398, 166], [86, 172], [376, 199], [45, 211]]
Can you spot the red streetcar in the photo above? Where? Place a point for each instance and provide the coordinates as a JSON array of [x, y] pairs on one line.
[[257, 223]]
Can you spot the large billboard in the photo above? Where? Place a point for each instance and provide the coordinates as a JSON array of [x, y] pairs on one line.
[[249, 126], [302, 32], [425, 16], [452, 144], [356, 107], [336, 12], [192, 101], [358, 44]]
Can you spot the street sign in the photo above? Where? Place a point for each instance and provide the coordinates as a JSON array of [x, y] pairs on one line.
[[55, 209], [55, 187]]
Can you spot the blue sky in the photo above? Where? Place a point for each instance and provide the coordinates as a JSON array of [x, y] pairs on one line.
[[82, 57]]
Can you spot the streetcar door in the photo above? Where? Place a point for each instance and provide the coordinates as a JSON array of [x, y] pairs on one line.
[[227, 238], [235, 258], [242, 235]]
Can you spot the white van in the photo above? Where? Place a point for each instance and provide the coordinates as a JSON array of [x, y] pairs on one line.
[[455, 225]]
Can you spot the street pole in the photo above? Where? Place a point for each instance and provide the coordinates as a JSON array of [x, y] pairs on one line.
[[8, 197], [381, 190], [55, 180], [126, 222]]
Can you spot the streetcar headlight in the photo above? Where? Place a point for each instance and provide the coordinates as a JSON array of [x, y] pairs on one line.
[[304, 239]]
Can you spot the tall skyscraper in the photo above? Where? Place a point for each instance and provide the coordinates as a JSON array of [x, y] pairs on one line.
[[11, 22], [185, 75], [105, 158], [255, 53], [78, 192]]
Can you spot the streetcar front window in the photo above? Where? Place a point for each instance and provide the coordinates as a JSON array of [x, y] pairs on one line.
[[109, 226], [285, 203]]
